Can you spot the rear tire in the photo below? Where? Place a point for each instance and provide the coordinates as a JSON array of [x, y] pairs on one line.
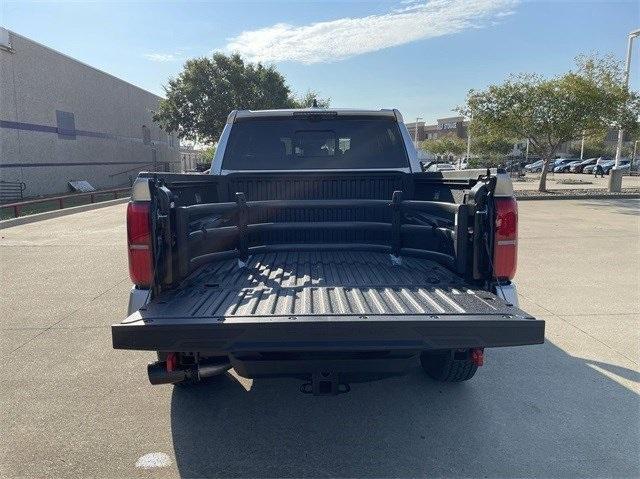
[[449, 366]]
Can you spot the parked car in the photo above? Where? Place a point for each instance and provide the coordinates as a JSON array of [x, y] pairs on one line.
[[577, 168], [534, 167], [561, 165], [318, 251], [625, 165], [603, 163], [603, 159], [589, 169]]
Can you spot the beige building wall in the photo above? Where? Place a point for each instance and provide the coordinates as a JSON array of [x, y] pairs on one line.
[[62, 120]]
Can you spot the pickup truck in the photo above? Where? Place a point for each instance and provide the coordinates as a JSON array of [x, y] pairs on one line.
[[318, 248]]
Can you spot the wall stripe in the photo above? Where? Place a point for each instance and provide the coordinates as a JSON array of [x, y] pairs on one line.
[[17, 125], [80, 163]]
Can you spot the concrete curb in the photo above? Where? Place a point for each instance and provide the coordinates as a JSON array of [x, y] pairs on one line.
[[23, 220], [602, 196]]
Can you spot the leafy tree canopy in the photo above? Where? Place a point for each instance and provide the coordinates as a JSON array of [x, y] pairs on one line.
[[444, 145], [206, 155], [550, 112], [201, 97], [485, 142]]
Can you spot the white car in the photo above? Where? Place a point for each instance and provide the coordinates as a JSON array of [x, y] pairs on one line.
[[534, 167]]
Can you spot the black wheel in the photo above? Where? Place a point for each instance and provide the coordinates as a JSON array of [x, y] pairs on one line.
[[448, 366]]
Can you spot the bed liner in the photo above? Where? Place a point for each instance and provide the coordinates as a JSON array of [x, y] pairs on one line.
[[326, 283], [289, 300]]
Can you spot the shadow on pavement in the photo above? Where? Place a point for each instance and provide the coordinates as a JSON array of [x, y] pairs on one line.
[[625, 373], [532, 411], [623, 206]]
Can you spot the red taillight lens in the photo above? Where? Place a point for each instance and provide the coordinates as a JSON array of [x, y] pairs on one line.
[[505, 248], [139, 243]]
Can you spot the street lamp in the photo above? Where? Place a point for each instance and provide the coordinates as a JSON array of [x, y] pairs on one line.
[[615, 179], [415, 132]]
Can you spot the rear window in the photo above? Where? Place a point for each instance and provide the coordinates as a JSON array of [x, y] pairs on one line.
[[314, 142]]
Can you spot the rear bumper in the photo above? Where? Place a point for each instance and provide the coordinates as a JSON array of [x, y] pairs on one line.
[[339, 333]]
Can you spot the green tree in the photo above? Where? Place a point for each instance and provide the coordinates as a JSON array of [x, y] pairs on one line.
[[206, 155], [550, 112], [485, 143], [593, 147], [444, 145], [310, 99], [200, 98]]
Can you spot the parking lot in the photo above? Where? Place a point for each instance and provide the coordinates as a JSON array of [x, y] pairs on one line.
[[72, 406], [567, 181]]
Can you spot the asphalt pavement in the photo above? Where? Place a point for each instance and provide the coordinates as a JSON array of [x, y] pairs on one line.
[[71, 406]]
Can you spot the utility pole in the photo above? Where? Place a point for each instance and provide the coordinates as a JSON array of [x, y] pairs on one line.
[[582, 146], [526, 155], [615, 176]]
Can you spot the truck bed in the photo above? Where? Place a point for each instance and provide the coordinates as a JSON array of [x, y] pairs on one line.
[[325, 300]]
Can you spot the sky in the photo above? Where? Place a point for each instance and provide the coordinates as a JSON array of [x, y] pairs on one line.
[[420, 56]]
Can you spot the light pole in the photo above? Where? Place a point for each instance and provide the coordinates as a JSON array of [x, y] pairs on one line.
[[468, 141], [582, 147], [415, 132], [615, 179]]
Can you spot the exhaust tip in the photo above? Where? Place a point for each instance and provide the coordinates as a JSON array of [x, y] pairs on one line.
[[158, 374]]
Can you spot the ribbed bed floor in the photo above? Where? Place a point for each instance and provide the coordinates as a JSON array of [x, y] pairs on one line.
[[324, 284]]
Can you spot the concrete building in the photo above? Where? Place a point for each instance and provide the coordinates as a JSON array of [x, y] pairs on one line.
[[63, 120], [452, 126]]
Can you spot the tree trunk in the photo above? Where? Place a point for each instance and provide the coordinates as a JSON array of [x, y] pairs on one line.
[[543, 175]]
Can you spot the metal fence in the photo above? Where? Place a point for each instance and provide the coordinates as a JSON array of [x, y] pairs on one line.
[[61, 202]]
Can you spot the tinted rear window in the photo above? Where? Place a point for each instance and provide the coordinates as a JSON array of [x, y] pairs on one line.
[[314, 143]]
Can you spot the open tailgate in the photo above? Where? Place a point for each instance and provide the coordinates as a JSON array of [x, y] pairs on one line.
[[325, 301]]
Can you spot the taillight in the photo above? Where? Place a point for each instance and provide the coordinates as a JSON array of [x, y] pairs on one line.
[[139, 243], [505, 247]]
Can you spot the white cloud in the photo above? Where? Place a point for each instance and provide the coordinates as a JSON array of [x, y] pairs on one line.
[[347, 37], [162, 57]]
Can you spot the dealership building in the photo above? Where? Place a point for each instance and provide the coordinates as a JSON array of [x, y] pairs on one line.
[[452, 126], [62, 120]]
